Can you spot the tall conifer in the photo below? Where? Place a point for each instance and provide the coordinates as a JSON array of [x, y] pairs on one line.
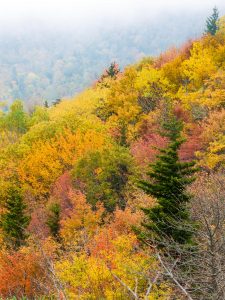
[[212, 22], [168, 179], [14, 221]]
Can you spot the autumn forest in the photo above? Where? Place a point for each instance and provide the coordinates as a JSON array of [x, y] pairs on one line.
[[118, 192]]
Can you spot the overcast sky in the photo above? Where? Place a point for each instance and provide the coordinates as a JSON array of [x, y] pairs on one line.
[[86, 11]]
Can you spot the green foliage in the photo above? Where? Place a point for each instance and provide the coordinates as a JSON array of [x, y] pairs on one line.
[[16, 119], [103, 176], [75, 163], [212, 22], [40, 114], [53, 221], [14, 221], [122, 138], [169, 218]]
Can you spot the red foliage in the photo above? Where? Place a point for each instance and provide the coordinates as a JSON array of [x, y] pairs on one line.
[[193, 143], [145, 150], [185, 49], [173, 53], [166, 57], [61, 193], [37, 224], [181, 114]]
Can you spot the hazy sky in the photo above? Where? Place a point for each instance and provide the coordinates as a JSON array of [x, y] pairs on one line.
[[86, 11]]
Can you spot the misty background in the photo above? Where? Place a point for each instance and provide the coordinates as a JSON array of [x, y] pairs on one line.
[[54, 49]]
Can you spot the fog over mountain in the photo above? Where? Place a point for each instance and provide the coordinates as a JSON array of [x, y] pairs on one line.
[[54, 49]]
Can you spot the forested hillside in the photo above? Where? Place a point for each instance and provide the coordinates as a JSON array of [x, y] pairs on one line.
[[38, 64], [118, 193]]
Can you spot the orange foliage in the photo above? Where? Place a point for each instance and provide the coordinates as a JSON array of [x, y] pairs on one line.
[[20, 274], [123, 220], [48, 160], [81, 221], [121, 224]]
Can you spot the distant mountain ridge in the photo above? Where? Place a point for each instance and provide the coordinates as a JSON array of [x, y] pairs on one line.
[[36, 66]]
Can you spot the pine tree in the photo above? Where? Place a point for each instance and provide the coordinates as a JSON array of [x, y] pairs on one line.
[[14, 221], [212, 22], [168, 178]]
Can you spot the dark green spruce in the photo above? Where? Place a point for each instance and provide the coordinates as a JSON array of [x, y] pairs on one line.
[[212, 22], [169, 219], [14, 221]]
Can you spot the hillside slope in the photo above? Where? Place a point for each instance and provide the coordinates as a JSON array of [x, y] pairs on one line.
[[75, 166]]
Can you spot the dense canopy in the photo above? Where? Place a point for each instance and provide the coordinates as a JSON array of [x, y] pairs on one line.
[[75, 167]]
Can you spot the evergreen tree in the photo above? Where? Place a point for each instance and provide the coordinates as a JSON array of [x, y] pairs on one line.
[[123, 134], [14, 221], [113, 70], [212, 22], [169, 219], [46, 104], [56, 102], [53, 221]]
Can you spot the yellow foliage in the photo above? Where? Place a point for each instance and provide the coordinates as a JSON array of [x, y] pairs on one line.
[[46, 161], [214, 156], [173, 72], [150, 80], [82, 222], [200, 65], [83, 104], [211, 96], [85, 277], [97, 254], [96, 277], [121, 102]]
